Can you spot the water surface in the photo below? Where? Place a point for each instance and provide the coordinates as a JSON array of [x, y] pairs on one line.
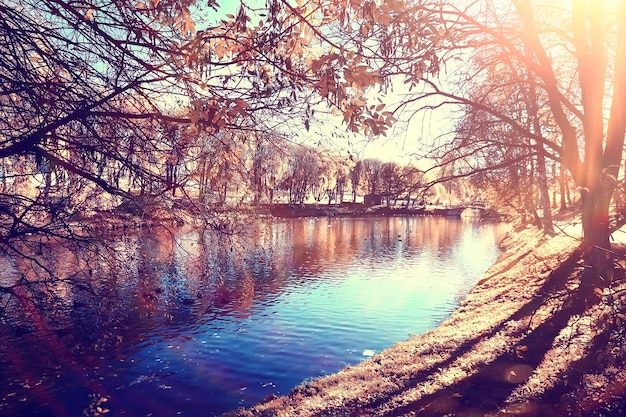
[[188, 323]]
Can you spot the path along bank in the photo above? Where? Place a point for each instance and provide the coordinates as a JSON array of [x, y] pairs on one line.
[[519, 344]]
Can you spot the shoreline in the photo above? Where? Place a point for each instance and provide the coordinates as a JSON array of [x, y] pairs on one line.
[[519, 344], [221, 216], [359, 209]]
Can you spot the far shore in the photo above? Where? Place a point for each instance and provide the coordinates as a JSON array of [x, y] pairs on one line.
[[359, 209], [182, 211]]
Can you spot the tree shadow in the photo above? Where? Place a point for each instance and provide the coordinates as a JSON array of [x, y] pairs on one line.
[[486, 391]]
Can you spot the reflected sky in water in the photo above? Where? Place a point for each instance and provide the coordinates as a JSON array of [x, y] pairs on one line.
[[184, 322]]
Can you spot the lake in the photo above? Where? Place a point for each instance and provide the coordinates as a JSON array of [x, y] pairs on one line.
[[188, 322]]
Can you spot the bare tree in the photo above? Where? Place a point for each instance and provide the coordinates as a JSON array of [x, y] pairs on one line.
[[576, 65], [356, 173]]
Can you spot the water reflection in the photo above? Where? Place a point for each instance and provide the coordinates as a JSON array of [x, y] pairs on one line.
[[168, 322]]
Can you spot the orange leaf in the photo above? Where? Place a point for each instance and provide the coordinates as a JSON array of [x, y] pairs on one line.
[[242, 103], [88, 15]]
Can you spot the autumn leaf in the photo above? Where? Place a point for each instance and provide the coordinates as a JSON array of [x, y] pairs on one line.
[[89, 15], [188, 25], [242, 103], [385, 19], [194, 116]]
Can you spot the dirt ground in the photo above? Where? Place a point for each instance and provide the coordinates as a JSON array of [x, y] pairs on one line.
[[521, 343]]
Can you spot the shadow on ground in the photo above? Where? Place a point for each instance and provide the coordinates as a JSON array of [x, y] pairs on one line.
[[488, 391]]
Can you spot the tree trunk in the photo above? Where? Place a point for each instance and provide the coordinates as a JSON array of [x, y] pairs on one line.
[[48, 185], [542, 174], [564, 189], [546, 220], [532, 209], [596, 237]]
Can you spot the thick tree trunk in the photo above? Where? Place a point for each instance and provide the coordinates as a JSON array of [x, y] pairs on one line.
[[596, 237]]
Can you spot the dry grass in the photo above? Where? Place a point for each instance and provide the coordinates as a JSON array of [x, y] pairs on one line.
[[520, 344]]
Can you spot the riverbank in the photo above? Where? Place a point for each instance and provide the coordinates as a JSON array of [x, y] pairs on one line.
[[133, 214], [360, 210], [521, 343]]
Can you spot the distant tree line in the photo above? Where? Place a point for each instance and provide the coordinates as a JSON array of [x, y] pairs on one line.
[[230, 168]]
